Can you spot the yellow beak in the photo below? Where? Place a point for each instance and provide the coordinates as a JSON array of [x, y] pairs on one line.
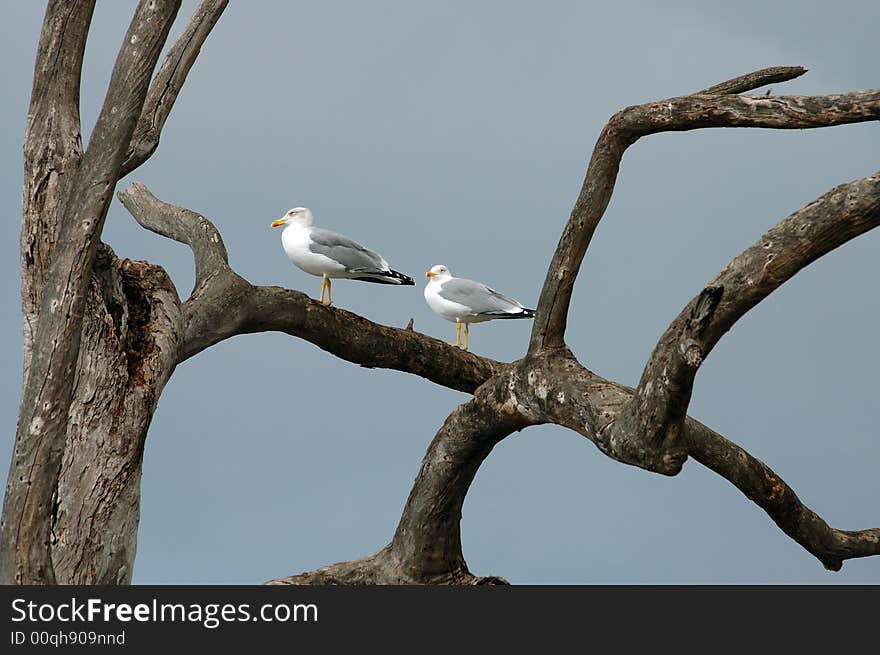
[[280, 221], [429, 274]]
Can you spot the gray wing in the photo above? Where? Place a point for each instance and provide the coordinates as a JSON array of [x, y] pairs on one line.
[[478, 297], [349, 253]]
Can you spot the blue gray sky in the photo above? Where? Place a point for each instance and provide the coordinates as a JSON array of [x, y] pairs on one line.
[[459, 133]]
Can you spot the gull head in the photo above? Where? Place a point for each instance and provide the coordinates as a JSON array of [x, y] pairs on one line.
[[296, 216], [439, 272]]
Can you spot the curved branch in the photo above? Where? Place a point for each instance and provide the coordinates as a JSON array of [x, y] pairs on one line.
[[763, 487], [426, 548], [181, 225], [168, 82], [674, 114], [590, 403], [664, 391], [555, 389], [427, 542], [223, 305]]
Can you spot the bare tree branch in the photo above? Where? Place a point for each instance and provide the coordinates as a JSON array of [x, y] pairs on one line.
[[674, 114], [40, 436], [427, 543], [168, 82], [569, 395], [224, 304], [751, 81], [182, 225], [762, 486], [426, 548], [665, 387]]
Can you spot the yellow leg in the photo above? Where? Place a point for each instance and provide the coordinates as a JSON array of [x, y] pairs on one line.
[[467, 330], [329, 292], [323, 286], [457, 335]]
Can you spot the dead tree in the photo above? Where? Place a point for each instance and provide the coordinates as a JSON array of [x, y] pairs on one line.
[[103, 335]]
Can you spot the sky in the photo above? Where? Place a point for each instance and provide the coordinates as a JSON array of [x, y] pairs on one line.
[[459, 133]]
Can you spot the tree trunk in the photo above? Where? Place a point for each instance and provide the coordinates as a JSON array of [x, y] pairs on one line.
[[129, 349], [101, 335]]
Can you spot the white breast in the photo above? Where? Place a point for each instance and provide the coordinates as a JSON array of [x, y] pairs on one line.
[[451, 311], [295, 240]]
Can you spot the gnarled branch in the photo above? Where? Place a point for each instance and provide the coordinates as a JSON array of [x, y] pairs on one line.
[[549, 385], [556, 389], [674, 114], [664, 391], [763, 487]]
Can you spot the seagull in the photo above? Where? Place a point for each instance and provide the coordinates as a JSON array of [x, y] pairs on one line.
[[465, 301], [331, 255]]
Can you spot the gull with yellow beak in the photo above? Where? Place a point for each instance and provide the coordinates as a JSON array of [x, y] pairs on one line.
[[465, 301], [330, 255]]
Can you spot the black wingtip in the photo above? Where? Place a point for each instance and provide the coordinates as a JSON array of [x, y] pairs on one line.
[[387, 277], [405, 280], [523, 313]]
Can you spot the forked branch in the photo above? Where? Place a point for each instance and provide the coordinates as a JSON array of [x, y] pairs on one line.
[[168, 82]]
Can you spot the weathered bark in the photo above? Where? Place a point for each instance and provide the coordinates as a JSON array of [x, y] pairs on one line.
[[101, 336], [46, 396], [52, 149], [131, 341]]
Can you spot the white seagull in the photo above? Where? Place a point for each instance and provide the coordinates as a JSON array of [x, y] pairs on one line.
[[331, 255], [465, 301]]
